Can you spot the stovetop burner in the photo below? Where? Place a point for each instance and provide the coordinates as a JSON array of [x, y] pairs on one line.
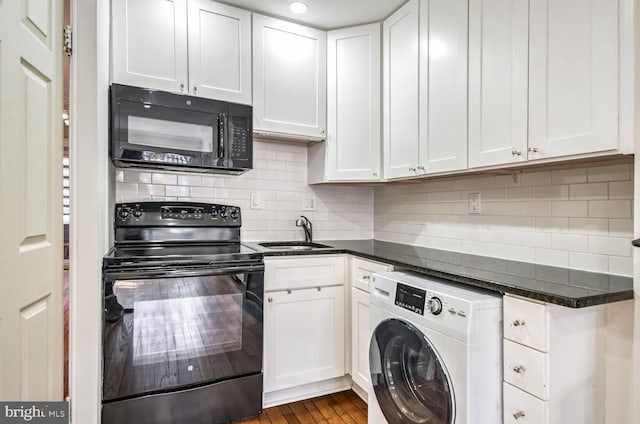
[[148, 233]]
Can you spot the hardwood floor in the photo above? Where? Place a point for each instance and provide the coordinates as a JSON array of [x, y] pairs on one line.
[[338, 408]]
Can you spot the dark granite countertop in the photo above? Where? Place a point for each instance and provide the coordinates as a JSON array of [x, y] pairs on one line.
[[561, 286]]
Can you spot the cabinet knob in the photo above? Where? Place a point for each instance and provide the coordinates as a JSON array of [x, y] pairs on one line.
[[518, 415], [533, 149], [319, 288], [181, 88], [515, 152], [270, 299], [517, 323], [375, 174], [195, 90], [519, 369], [366, 277]]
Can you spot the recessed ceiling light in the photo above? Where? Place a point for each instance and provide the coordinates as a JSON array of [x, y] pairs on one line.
[[298, 7]]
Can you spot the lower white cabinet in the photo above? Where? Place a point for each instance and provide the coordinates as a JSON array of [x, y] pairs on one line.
[[304, 337], [304, 321], [361, 272], [360, 338], [553, 363]]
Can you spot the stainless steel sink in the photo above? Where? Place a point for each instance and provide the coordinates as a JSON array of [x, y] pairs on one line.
[[293, 245]]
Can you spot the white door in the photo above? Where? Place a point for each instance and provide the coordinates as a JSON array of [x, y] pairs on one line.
[[31, 320], [498, 84], [360, 338], [443, 85], [289, 78], [353, 103], [303, 337], [573, 74], [219, 51], [400, 92], [149, 44]]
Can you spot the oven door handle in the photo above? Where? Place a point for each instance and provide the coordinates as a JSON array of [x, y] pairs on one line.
[[182, 271]]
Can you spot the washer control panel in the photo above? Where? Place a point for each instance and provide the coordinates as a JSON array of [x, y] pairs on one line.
[[411, 298]]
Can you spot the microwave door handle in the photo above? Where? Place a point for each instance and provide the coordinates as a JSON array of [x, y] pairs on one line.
[[221, 124]]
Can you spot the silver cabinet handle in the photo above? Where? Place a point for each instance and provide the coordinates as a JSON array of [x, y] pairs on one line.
[[518, 415], [420, 167], [517, 323], [270, 299], [182, 88], [195, 90], [533, 149], [519, 369], [412, 169], [515, 152], [366, 277]]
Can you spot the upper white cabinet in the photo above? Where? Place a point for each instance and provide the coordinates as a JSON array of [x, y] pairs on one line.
[[543, 79], [197, 46], [289, 78], [351, 151], [498, 81], [573, 80], [401, 35], [443, 85], [425, 88]]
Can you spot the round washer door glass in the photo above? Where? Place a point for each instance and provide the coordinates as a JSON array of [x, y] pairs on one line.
[[409, 379]]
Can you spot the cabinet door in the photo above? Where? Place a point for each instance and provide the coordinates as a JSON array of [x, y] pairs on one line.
[[401, 100], [573, 74], [219, 51], [498, 60], [149, 43], [304, 337], [353, 101], [443, 85], [360, 338], [289, 78]]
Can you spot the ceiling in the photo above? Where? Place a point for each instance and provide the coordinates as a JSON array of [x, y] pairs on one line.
[[325, 14]]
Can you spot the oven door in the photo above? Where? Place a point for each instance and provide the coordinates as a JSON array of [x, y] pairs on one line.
[[183, 330]]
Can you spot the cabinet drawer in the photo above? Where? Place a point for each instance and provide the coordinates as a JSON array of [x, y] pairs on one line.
[[361, 271], [303, 272], [522, 408], [526, 368], [525, 322]]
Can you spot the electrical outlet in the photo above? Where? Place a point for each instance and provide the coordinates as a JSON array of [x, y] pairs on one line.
[[256, 201], [474, 203], [309, 203]]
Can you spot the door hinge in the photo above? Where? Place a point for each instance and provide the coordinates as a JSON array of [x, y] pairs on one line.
[[66, 46]]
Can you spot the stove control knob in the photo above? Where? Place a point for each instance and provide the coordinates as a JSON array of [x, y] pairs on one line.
[[124, 213], [137, 212], [234, 214], [434, 305], [214, 213], [224, 214]]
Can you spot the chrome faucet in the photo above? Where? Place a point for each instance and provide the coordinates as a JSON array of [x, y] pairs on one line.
[[304, 222]]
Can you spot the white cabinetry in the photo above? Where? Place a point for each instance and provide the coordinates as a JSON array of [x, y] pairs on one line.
[[543, 79], [197, 46], [361, 271], [498, 78], [304, 337], [351, 151], [289, 79], [553, 363], [425, 88]]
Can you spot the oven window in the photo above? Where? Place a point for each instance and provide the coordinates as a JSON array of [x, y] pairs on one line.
[[170, 134], [181, 332]]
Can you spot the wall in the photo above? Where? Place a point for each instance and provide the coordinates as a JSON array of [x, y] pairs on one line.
[[577, 216], [280, 178]]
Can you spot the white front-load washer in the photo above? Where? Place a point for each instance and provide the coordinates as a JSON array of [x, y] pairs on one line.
[[435, 352]]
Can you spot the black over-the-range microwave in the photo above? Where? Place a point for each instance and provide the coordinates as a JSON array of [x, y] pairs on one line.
[[157, 129]]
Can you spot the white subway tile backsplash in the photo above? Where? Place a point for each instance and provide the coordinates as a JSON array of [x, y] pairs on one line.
[[137, 177], [177, 191], [190, 180], [580, 217], [202, 192], [162, 178], [610, 209]]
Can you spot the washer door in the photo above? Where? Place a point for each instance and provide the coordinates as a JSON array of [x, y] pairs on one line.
[[409, 379]]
